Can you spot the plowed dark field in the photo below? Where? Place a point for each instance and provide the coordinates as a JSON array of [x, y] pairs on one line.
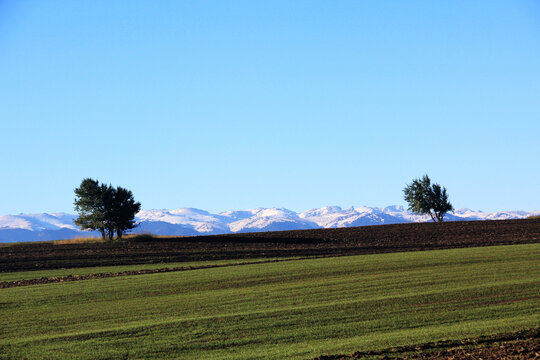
[[320, 242]]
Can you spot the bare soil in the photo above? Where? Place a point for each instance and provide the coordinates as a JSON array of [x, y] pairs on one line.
[[519, 345], [298, 243]]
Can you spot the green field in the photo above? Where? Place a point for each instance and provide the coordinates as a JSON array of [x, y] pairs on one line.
[[287, 310], [36, 274]]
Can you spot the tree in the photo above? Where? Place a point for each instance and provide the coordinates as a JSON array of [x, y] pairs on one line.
[[105, 208], [426, 198], [124, 210], [89, 205]]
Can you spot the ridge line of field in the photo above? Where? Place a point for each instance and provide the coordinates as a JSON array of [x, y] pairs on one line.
[[70, 278]]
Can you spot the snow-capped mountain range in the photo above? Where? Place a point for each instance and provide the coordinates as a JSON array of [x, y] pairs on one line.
[[189, 221]]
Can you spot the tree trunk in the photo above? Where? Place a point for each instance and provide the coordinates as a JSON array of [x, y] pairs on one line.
[[110, 232]]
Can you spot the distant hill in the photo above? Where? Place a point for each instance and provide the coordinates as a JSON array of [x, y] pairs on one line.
[[190, 221]]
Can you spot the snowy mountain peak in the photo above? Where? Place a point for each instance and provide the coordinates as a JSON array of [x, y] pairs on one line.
[[463, 211], [393, 208], [322, 211], [364, 209], [189, 211], [275, 212]]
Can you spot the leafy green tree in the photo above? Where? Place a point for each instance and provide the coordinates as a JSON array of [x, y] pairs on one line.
[[105, 208], [89, 204], [124, 210], [426, 198]]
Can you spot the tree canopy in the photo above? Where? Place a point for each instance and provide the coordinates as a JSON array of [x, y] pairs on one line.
[[105, 208], [426, 198]]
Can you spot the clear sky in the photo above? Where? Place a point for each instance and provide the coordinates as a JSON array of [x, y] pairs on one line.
[[240, 104]]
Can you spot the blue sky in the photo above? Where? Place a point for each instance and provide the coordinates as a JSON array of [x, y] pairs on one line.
[[240, 104]]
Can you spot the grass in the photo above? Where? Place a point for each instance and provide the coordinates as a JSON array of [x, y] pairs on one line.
[[36, 274], [128, 237], [288, 310], [93, 240]]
